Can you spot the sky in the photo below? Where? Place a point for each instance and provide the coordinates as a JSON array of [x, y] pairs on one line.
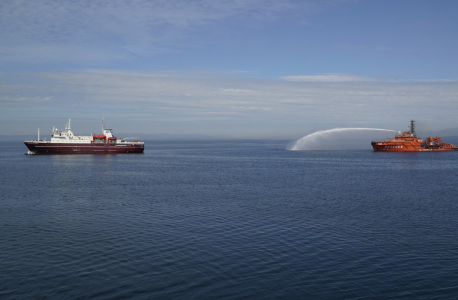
[[239, 68]]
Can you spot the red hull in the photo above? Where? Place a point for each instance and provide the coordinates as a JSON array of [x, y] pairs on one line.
[[92, 148], [405, 147]]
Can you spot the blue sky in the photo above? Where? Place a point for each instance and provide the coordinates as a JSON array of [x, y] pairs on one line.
[[239, 68]]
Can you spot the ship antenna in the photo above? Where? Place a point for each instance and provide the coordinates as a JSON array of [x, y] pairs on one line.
[[412, 127], [103, 126]]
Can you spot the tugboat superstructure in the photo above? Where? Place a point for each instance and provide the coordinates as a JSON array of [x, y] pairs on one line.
[[408, 141], [65, 142]]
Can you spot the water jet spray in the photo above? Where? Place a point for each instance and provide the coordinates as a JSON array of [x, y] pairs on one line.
[[309, 142]]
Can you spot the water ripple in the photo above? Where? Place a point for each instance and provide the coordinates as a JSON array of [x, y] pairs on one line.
[[225, 220]]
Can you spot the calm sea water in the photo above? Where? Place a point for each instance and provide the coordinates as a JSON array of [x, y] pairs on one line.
[[228, 220]]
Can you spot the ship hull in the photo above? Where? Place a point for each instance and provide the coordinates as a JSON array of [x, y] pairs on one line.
[[71, 148], [406, 147]]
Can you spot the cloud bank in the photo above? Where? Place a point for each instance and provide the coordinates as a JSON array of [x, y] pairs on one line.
[[215, 103]]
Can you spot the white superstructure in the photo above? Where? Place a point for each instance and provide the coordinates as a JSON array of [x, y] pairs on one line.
[[67, 136]]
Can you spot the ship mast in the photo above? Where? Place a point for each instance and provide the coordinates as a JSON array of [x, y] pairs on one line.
[[412, 128]]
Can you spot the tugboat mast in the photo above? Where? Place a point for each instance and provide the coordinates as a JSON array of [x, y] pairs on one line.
[[412, 128]]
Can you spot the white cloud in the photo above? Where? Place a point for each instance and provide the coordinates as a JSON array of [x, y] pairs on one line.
[[351, 78], [97, 29], [327, 78], [238, 91]]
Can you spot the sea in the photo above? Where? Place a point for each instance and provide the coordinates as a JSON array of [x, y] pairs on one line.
[[228, 219]]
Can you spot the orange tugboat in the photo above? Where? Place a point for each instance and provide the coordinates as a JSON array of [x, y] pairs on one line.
[[408, 141]]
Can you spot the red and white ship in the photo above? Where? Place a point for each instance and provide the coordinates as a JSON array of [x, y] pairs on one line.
[[65, 142]]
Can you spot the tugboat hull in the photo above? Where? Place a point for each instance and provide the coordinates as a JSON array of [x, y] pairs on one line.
[[406, 147]]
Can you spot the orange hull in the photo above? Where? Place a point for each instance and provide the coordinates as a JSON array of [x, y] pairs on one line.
[[399, 146], [408, 142]]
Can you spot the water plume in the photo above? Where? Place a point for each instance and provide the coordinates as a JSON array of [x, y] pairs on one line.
[[326, 139]]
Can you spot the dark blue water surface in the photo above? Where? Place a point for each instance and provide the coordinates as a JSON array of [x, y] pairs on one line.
[[228, 220]]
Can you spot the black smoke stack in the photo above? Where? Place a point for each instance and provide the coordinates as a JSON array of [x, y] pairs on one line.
[[412, 127]]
